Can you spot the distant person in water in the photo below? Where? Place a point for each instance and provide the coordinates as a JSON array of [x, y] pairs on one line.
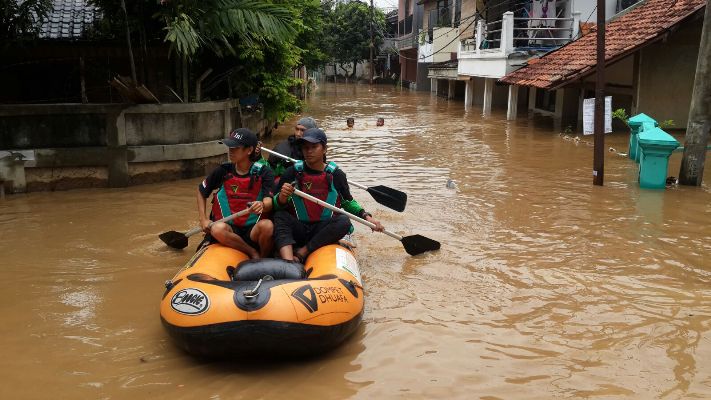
[[350, 122], [381, 122], [239, 184], [289, 148]]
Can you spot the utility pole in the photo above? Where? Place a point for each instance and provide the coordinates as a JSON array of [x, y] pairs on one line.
[[599, 149], [372, 44], [699, 125]]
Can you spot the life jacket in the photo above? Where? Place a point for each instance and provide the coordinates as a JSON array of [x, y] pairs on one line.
[[234, 194], [318, 185]]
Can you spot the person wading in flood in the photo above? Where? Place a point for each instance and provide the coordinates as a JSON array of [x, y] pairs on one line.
[[304, 223], [239, 182], [289, 148]]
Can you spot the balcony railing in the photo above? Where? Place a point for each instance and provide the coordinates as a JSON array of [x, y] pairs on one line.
[[511, 33], [407, 42]]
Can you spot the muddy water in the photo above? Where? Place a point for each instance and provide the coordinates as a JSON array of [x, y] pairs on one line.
[[545, 287]]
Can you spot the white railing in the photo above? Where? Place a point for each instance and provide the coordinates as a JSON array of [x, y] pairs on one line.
[[509, 33]]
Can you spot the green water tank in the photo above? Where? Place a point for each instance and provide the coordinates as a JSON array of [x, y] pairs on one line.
[[638, 123], [655, 147]]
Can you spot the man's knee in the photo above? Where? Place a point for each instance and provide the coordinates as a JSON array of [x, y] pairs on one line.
[[263, 228], [342, 222], [219, 230]]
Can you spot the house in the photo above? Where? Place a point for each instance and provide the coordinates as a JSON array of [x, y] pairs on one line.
[[509, 33], [442, 28], [412, 74], [650, 51]]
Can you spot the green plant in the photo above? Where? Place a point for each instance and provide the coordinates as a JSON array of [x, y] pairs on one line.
[[621, 114], [667, 123]]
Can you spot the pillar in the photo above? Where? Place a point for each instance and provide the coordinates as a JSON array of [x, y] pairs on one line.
[[488, 93], [450, 88], [507, 36], [117, 149], [531, 98], [469, 93], [433, 85], [513, 103]]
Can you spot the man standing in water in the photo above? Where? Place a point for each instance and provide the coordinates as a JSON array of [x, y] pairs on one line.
[[289, 148], [238, 183], [302, 222]]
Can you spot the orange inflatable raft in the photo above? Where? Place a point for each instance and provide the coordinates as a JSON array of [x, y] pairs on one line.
[[221, 304]]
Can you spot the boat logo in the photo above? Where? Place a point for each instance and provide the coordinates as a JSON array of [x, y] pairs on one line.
[[190, 302], [310, 302]]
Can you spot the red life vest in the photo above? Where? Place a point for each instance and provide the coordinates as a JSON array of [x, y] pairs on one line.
[[318, 185], [234, 194]]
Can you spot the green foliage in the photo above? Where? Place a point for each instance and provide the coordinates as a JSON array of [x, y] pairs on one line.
[[621, 114], [348, 37], [667, 123], [22, 19], [218, 24]]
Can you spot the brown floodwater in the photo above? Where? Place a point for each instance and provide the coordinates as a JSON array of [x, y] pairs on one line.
[[545, 287]]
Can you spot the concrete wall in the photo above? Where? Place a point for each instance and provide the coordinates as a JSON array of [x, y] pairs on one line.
[[666, 75], [65, 146]]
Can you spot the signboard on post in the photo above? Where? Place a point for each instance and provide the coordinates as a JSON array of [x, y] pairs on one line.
[[589, 115]]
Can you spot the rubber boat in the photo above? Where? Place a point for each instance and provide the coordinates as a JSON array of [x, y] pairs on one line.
[[221, 304]]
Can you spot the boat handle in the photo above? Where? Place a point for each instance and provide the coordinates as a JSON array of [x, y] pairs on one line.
[[254, 292]]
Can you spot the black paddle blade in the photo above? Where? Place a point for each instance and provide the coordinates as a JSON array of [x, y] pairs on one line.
[[174, 239], [418, 244], [389, 197]]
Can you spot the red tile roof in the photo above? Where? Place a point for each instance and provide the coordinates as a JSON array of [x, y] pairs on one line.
[[623, 35]]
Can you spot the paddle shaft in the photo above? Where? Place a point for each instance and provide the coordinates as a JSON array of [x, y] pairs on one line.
[[274, 153], [344, 212], [198, 229]]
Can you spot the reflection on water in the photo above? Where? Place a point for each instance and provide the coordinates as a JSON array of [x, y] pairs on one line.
[[546, 286]]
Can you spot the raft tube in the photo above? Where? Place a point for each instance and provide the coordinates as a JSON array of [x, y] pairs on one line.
[[221, 304]]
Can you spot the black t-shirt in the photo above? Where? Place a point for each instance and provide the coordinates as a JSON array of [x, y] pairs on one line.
[[339, 180], [288, 148], [216, 178]]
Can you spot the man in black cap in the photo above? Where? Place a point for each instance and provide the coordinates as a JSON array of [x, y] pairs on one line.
[[289, 148], [240, 184], [303, 223]]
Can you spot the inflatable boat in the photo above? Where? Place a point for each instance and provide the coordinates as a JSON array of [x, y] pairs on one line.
[[221, 304]]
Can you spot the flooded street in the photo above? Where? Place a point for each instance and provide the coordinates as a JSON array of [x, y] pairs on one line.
[[545, 286]]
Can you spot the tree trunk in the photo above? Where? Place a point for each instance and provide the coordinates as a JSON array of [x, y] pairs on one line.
[[699, 125], [130, 49], [355, 69]]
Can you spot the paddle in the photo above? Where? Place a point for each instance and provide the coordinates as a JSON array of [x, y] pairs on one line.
[[384, 195], [414, 244], [179, 240]]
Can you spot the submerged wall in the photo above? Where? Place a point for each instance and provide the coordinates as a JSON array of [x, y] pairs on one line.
[[65, 146]]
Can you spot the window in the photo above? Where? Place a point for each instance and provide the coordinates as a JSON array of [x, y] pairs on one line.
[[625, 4]]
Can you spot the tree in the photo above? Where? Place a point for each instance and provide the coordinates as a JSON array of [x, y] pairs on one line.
[[22, 19], [348, 29]]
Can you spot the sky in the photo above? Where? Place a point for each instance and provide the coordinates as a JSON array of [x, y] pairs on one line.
[[385, 3]]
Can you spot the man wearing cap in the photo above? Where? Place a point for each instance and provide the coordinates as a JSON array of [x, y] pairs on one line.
[[289, 148], [241, 183], [303, 223]]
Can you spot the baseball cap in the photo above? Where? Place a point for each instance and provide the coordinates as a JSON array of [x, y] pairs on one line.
[[242, 137], [313, 135], [307, 122]]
